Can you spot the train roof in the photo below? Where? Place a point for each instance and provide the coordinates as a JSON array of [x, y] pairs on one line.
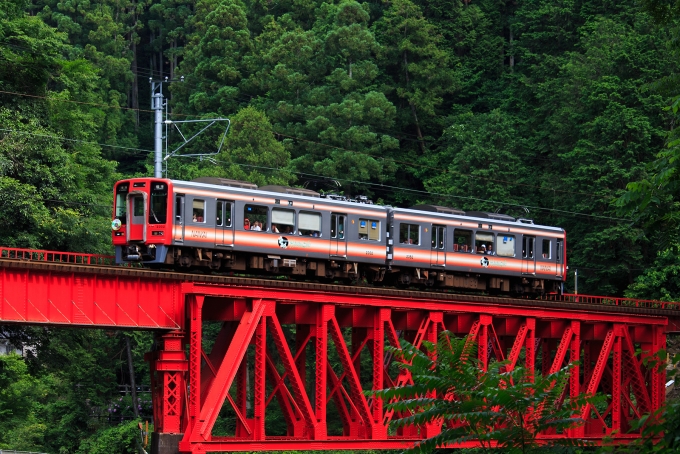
[[289, 190], [276, 191], [226, 182], [438, 209], [487, 215]]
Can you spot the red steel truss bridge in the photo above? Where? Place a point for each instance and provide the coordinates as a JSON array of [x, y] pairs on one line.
[[288, 362]]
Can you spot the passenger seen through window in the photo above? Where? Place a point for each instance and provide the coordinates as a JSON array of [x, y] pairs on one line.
[[409, 234], [198, 210], [283, 221], [255, 218]]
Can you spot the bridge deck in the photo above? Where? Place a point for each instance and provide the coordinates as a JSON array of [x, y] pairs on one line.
[[40, 292]]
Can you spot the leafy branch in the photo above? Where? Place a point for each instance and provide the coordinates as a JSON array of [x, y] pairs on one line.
[[501, 407]]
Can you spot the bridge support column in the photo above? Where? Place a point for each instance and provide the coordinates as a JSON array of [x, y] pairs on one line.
[[168, 367], [165, 443]]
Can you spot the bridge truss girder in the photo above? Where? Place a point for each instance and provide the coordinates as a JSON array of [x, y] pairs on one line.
[[272, 356]]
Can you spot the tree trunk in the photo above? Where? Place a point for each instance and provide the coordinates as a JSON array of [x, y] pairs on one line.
[[421, 140], [512, 57], [135, 83], [160, 53], [152, 58], [133, 383]]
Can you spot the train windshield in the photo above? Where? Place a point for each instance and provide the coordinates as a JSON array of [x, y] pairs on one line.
[[121, 202], [158, 206]]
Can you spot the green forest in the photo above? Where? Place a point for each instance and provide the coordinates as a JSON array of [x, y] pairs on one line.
[[562, 111]]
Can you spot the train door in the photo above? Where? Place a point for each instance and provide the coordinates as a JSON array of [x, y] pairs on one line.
[[178, 228], [528, 255], [437, 255], [224, 227], [559, 257], [137, 208], [338, 235]]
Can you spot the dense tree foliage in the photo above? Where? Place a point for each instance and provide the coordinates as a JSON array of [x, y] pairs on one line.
[[503, 407], [560, 111]]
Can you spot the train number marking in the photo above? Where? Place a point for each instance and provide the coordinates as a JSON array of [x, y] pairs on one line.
[[198, 234], [369, 252], [409, 256], [545, 268]]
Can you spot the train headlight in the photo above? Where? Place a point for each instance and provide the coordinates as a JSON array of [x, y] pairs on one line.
[[116, 224]]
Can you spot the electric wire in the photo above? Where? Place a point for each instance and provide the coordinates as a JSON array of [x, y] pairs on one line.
[[47, 136], [406, 163], [437, 194], [365, 183]]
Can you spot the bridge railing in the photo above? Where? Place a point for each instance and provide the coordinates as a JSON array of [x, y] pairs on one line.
[[613, 301], [96, 259], [78, 258]]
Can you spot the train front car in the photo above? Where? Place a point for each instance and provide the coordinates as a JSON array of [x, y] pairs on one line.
[[141, 225]]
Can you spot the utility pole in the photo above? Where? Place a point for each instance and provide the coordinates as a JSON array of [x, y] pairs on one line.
[[157, 105]]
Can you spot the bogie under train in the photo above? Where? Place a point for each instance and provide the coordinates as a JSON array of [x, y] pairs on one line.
[[234, 226]]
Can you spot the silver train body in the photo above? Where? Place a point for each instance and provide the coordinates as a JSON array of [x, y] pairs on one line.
[[226, 225]]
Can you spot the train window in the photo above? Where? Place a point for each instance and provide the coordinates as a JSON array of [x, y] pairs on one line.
[[369, 229], [138, 206], [409, 234], [545, 249], [158, 207], [505, 245], [223, 218], [283, 221], [198, 210], [121, 202], [484, 243], [338, 226], [528, 247], [438, 233], [309, 223], [558, 254], [178, 208], [255, 218], [462, 240]]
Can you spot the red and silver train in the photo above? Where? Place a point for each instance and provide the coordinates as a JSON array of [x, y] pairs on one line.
[[235, 226]]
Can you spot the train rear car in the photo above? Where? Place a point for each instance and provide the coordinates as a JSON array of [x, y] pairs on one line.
[[445, 247]]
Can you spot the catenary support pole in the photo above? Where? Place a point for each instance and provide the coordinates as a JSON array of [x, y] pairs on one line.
[[157, 107]]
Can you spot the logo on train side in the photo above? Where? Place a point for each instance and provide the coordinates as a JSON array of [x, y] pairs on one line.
[[283, 242], [485, 262]]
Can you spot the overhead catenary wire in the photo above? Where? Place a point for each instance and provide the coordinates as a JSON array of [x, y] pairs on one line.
[[365, 183], [406, 163], [47, 136], [436, 194]]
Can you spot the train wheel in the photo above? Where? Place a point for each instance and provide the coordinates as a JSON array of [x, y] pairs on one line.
[[216, 264], [405, 279]]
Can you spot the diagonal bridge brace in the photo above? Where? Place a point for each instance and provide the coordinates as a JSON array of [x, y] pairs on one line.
[[217, 393]]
